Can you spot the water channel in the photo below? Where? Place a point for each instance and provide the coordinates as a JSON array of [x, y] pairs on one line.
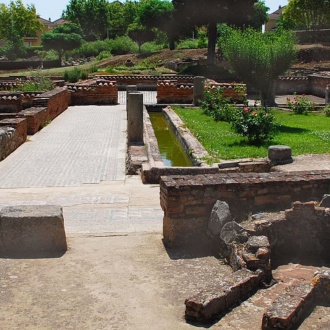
[[171, 150]]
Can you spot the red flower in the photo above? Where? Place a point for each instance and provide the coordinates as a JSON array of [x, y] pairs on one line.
[[246, 109]]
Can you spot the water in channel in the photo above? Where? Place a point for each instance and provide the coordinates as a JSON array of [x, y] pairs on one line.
[[171, 151]]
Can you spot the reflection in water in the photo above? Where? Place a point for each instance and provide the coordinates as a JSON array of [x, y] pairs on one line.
[[170, 148]]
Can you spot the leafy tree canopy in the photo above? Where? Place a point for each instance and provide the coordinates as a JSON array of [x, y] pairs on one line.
[[212, 12], [308, 14], [63, 38], [259, 58], [17, 21], [140, 34]]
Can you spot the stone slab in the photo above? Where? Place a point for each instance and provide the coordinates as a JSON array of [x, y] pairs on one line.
[[32, 231]]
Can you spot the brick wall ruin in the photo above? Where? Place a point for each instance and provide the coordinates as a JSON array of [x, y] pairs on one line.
[[94, 92], [187, 201]]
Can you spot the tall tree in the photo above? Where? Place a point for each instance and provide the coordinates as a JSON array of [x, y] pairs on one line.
[[212, 12], [16, 22], [63, 38], [140, 34], [308, 14], [159, 14], [91, 15], [258, 59]]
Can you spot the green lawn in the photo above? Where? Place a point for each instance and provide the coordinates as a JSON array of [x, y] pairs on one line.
[[304, 134]]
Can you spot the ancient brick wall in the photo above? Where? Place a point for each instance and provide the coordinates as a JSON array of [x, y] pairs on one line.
[[145, 79], [91, 92], [36, 118], [13, 133], [170, 91], [187, 201], [10, 102], [235, 92], [56, 101]]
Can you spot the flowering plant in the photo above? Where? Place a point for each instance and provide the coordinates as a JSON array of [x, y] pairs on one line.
[[300, 104], [258, 125]]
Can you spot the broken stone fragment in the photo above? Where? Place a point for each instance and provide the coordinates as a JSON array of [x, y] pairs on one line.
[[233, 232], [220, 215], [325, 202], [256, 242]]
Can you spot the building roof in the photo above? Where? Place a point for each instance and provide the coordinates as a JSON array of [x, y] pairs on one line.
[[276, 14]]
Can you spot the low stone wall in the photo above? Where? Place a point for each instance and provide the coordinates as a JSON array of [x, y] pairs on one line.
[[171, 91], [94, 92], [311, 84], [10, 102], [56, 101], [187, 201], [36, 118]]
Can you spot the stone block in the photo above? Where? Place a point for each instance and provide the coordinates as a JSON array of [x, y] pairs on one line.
[[32, 231], [220, 215], [279, 155]]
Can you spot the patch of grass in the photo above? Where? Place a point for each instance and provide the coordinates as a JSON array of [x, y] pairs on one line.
[[305, 135]]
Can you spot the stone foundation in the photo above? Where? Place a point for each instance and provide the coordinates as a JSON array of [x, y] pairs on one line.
[[187, 201]]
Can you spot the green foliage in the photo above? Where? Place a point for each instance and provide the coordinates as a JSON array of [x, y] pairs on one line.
[[307, 14], [35, 83], [326, 111], [92, 48], [258, 125], [216, 105], [75, 75], [104, 54], [300, 104], [150, 47], [259, 58], [63, 38], [140, 34], [305, 135], [33, 50], [188, 44], [90, 15], [17, 21], [122, 45], [197, 13]]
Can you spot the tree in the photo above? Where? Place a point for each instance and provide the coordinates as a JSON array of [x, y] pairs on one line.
[[308, 14], [91, 15], [16, 22], [258, 59], [140, 34], [212, 12], [159, 14], [63, 38]]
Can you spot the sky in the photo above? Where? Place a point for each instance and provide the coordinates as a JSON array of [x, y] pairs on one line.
[[53, 9]]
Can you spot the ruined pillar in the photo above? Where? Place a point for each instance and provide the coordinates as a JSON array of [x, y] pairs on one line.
[[327, 95], [135, 118], [198, 89], [129, 89]]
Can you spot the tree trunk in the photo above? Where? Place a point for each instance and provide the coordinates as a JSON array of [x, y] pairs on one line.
[[171, 44], [212, 38], [267, 96]]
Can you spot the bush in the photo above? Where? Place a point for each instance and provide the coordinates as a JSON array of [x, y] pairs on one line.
[[33, 51], [326, 110], [104, 54], [258, 125], [300, 105], [75, 75], [93, 48], [188, 44], [150, 47], [123, 45]]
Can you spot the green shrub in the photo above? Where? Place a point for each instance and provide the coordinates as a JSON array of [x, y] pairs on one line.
[[36, 83], [188, 44], [123, 45], [326, 110], [75, 75], [300, 105], [258, 125], [92, 48], [216, 105], [104, 54], [150, 47], [33, 50]]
